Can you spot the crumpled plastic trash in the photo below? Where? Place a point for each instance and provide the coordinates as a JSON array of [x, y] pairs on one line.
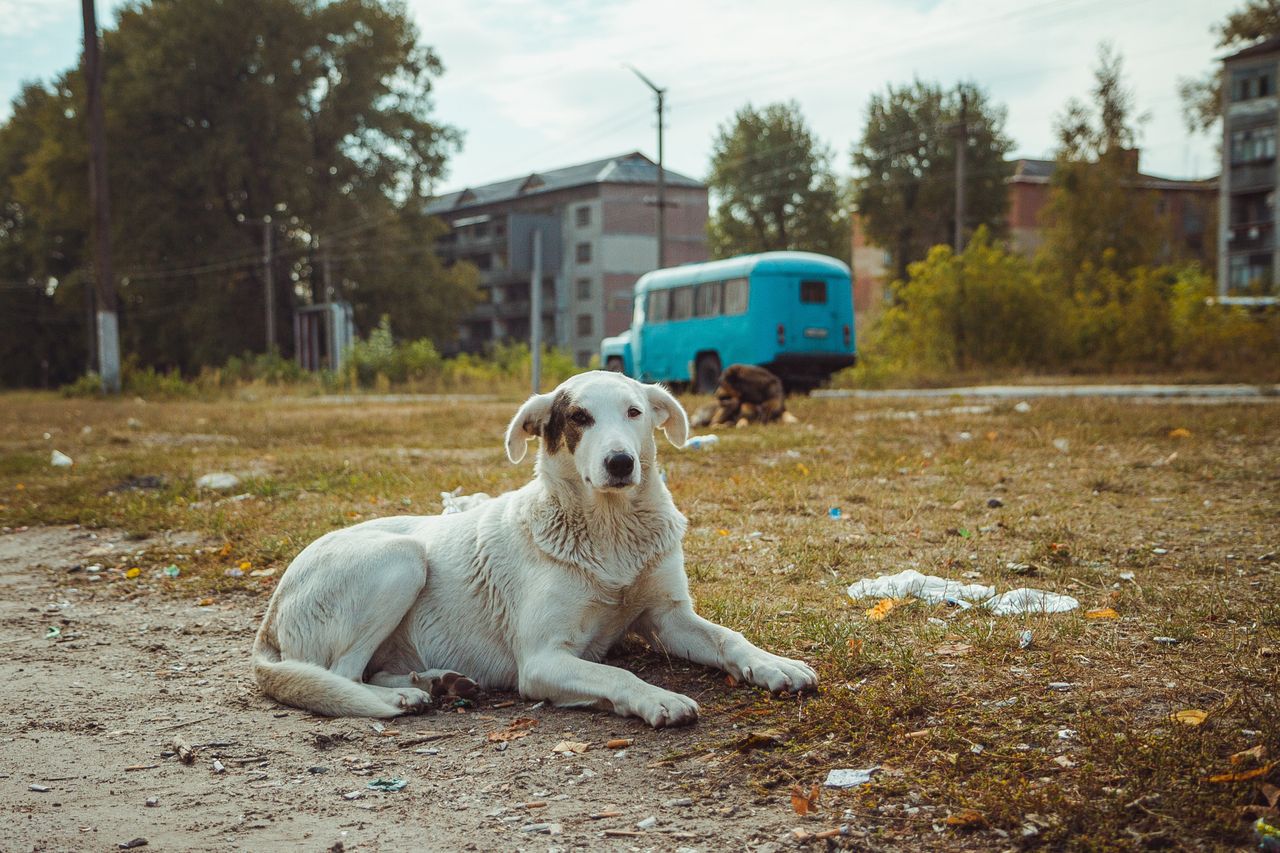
[[1026, 600], [219, 481], [700, 442], [849, 778], [935, 590], [391, 785], [58, 459], [928, 588], [456, 501]]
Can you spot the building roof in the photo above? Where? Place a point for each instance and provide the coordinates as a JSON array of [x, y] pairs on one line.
[[1271, 45], [633, 168], [1027, 171]]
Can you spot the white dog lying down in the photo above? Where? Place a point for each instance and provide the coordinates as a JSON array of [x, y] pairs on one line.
[[527, 590]]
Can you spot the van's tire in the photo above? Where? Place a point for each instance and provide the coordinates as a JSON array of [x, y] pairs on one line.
[[706, 373], [613, 363]]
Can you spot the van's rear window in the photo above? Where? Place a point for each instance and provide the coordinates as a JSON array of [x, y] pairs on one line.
[[813, 292]]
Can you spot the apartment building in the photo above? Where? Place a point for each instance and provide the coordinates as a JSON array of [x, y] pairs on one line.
[[598, 226], [1248, 263]]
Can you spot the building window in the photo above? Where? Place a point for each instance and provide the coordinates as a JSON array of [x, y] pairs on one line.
[[583, 253], [1249, 83], [582, 216], [1254, 145], [584, 325], [584, 288], [1249, 274], [813, 292]]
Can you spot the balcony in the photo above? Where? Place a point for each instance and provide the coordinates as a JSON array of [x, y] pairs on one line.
[[1253, 176], [1251, 237]]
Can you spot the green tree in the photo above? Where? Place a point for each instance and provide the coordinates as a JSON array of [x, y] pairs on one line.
[[1097, 216], [219, 115], [774, 187], [904, 167], [1202, 96]]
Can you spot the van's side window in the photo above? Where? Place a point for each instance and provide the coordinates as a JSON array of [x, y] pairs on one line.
[[736, 296], [682, 302], [659, 300], [708, 298], [813, 292]]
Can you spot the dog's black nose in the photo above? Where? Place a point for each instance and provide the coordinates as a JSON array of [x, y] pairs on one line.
[[619, 465]]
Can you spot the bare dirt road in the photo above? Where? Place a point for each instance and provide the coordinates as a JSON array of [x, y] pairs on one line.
[[87, 743]]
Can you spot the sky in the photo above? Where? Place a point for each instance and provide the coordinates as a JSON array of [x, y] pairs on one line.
[[539, 84]]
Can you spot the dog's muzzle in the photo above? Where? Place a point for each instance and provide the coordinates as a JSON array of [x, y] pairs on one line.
[[620, 467]]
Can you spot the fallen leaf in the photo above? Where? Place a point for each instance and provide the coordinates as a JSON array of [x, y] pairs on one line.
[[225, 550], [1244, 775], [953, 649], [855, 646], [1102, 613], [518, 728], [730, 681], [1258, 753], [1271, 794], [802, 468], [803, 803], [881, 609], [204, 602], [966, 819], [1190, 716], [571, 746], [920, 733], [133, 573], [1180, 432], [761, 739], [722, 532]]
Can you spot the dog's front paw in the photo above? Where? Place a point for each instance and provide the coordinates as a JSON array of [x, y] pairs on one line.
[[780, 675], [662, 708], [410, 700]]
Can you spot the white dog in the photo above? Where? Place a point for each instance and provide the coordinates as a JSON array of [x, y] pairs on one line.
[[527, 590]]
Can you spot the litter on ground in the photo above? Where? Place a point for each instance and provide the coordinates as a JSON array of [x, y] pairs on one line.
[[935, 590], [849, 778]]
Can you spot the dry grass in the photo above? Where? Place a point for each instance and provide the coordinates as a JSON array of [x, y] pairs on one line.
[[958, 715]]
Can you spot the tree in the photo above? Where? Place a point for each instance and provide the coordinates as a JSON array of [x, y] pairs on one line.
[[774, 187], [1097, 216], [905, 167], [1202, 96], [219, 115]]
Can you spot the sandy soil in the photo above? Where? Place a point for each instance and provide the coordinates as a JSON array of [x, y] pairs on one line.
[[87, 740]]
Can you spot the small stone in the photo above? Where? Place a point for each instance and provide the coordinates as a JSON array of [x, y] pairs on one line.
[[219, 481], [648, 823], [317, 770], [1166, 641], [353, 795], [130, 845], [679, 802], [995, 503], [1022, 408], [218, 767], [39, 789]]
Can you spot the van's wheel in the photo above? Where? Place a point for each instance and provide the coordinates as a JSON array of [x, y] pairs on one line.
[[706, 373], [613, 363]]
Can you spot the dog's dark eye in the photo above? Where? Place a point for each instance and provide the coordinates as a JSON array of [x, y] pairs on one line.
[[633, 412], [580, 418]]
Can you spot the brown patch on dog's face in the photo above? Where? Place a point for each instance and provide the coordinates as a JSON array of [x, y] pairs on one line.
[[566, 423]]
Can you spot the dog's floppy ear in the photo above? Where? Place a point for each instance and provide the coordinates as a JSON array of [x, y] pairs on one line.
[[671, 417], [528, 423]]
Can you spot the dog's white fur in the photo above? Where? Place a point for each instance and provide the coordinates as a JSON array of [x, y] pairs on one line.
[[527, 590]]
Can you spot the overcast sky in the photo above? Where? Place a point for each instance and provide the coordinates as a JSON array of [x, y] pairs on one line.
[[537, 85]]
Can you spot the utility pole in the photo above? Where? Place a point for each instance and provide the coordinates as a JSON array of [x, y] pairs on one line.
[[962, 143], [662, 175], [535, 313], [108, 323], [268, 279]]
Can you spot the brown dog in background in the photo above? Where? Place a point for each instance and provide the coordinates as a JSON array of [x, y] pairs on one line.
[[746, 394]]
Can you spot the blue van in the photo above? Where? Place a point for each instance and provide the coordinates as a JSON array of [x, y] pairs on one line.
[[791, 312]]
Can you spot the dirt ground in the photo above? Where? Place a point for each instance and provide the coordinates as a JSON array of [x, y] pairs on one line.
[[87, 763]]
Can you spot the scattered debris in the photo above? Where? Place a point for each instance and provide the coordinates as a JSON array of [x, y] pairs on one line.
[[152, 802], [966, 819], [542, 828], [571, 746], [132, 844], [388, 785], [518, 728], [53, 632], [38, 788], [1165, 641], [1062, 445], [1061, 686], [835, 512], [186, 754], [762, 739], [701, 442], [1190, 716], [910, 583], [353, 795], [1025, 600], [418, 740], [219, 481], [847, 778], [648, 823], [994, 503], [58, 459], [218, 766], [1268, 835], [1102, 613], [1180, 432], [133, 768], [802, 801], [619, 743], [172, 571], [1024, 639]]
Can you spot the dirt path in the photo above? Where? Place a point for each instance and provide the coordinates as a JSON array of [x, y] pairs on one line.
[[91, 716]]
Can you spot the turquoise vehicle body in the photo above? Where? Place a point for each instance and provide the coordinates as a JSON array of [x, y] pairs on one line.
[[790, 312]]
